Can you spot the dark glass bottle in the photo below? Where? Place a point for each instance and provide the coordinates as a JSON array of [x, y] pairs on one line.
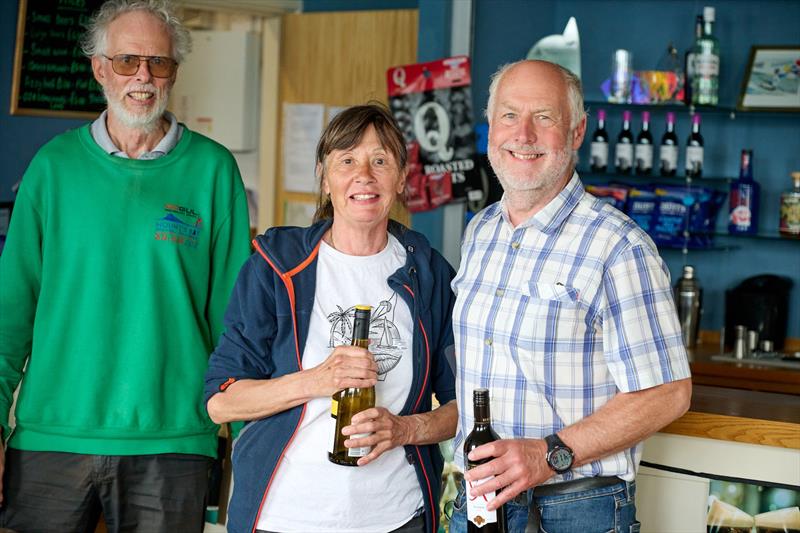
[[348, 402], [479, 520], [694, 150], [668, 153], [623, 151], [599, 148], [743, 199], [644, 147]]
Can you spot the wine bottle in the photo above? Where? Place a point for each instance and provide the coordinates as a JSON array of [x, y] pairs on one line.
[[694, 150], [623, 151], [790, 209], [348, 402], [743, 199], [599, 148], [644, 147], [705, 85], [668, 153], [689, 67], [479, 520]]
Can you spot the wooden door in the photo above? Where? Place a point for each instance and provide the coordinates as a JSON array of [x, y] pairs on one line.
[[338, 59]]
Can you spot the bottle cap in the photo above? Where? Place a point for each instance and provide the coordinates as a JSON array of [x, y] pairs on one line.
[[671, 117], [696, 118], [708, 13], [626, 115], [688, 271], [601, 114], [480, 396], [645, 116]]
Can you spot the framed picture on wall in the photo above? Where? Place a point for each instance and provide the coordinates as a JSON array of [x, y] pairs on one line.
[[772, 79]]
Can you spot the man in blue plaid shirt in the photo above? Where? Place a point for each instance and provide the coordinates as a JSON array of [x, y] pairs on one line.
[[565, 313]]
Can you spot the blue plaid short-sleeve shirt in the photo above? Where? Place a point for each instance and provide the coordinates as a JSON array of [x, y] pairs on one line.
[[558, 315]]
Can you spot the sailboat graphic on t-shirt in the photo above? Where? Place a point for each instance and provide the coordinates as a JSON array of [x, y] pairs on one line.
[[385, 343]]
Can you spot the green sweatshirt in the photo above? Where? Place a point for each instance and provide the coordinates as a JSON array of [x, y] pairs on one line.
[[113, 283]]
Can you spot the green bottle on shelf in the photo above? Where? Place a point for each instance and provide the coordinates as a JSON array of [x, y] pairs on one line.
[[706, 59]]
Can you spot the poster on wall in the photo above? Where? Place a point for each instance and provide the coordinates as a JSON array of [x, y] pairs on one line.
[[432, 104]]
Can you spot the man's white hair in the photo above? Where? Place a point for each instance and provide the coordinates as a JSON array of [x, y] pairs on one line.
[[95, 39], [574, 91]]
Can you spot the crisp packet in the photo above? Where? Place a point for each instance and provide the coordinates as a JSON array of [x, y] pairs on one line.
[[641, 207], [686, 216], [613, 194]]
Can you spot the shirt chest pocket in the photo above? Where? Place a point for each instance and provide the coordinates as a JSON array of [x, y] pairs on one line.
[[552, 319]]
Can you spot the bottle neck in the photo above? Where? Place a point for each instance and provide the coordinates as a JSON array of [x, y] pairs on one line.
[[601, 124], [645, 126], [696, 127], [708, 29], [670, 127], [482, 415], [626, 125]]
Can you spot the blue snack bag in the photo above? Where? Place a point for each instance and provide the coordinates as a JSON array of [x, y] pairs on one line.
[[641, 207]]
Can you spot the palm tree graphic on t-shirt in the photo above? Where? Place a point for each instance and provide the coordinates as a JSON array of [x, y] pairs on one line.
[[385, 342]]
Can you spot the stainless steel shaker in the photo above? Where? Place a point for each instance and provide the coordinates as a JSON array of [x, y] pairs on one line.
[[689, 300]]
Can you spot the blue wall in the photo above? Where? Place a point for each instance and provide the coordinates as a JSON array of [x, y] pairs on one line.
[[506, 29], [20, 136]]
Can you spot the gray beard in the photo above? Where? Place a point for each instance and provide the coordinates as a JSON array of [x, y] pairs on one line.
[[146, 123]]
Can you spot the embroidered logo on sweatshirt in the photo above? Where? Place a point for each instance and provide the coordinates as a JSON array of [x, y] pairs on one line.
[[181, 225]]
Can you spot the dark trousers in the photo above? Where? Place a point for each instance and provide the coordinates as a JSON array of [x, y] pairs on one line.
[[66, 492]]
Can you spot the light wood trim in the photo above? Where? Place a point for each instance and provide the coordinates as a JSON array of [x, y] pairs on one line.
[[737, 429], [268, 131], [339, 59]]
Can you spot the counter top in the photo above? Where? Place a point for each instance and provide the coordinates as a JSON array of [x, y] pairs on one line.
[[752, 417], [741, 374]]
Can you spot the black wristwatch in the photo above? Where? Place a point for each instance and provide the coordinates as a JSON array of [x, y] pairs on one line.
[[559, 456]]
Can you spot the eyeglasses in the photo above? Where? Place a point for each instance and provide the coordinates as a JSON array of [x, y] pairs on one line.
[[128, 65]]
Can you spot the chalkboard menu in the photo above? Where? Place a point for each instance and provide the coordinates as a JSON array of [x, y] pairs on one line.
[[52, 77]]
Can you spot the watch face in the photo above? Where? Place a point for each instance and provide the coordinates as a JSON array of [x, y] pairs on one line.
[[560, 459]]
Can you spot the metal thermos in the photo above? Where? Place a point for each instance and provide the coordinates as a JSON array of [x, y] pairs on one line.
[[689, 300]]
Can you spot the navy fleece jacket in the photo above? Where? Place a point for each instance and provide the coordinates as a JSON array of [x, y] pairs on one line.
[[266, 329]]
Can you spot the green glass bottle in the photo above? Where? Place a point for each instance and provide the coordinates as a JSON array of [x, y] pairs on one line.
[[348, 402], [705, 82]]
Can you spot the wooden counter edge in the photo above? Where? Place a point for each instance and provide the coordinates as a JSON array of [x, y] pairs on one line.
[[736, 429]]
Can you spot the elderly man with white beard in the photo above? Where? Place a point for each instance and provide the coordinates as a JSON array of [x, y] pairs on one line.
[[125, 241], [564, 312]]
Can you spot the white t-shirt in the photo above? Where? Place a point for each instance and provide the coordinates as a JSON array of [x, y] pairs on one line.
[[309, 493]]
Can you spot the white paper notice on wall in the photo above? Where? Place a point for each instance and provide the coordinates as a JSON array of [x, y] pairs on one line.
[[302, 127]]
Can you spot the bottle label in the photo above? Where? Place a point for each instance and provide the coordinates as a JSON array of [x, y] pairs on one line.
[[669, 157], [790, 213], [741, 216], [706, 65], [644, 156], [624, 156], [476, 507], [599, 154], [358, 452], [694, 159]]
